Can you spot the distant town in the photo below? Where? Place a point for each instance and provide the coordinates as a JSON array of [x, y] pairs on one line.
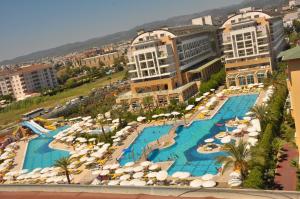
[[213, 103]]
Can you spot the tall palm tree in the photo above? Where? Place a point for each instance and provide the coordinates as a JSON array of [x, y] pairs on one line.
[[64, 163], [238, 156], [102, 109], [262, 113]]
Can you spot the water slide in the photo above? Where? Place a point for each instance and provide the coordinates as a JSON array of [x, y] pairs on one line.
[[35, 127], [39, 127]]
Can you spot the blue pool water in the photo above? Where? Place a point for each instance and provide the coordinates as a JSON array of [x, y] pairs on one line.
[[136, 149], [184, 151], [39, 155]]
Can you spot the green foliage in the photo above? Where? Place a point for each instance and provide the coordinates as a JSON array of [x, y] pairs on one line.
[[8, 98], [262, 165], [287, 132], [215, 80], [296, 25], [261, 113], [255, 179], [238, 155], [64, 163]]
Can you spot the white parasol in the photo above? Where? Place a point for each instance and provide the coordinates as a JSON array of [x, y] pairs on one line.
[[207, 177], [209, 184], [196, 183], [162, 175], [138, 175]]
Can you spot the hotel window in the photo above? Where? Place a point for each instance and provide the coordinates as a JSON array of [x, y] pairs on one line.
[[250, 79], [149, 56], [239, 37], [231, 81], [260, 77], [241, 53], [242, 80]]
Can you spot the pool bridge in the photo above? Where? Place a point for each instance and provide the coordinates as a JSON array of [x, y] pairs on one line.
[[163, 142]]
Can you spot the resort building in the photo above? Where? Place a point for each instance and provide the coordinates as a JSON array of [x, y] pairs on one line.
[[251, 41], [167, 64], [23, 81], [292, 57], [107, 59]]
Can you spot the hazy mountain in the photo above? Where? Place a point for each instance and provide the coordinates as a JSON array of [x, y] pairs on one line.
[[219, 13]]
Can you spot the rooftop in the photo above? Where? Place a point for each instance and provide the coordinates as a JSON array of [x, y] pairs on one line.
[[190, 29], [199, 69], [24, 69], [180, 89], [293, 53]]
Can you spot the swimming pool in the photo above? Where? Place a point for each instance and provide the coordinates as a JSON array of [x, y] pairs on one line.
[[38, 153], [137, 148], [184, 151]]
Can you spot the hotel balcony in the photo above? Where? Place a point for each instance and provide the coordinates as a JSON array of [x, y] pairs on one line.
[[248, 62]]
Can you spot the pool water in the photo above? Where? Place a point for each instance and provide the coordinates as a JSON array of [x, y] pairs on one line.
[[138, 147], [184, 151], [39, 155]]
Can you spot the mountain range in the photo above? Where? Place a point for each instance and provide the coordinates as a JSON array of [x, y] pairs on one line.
[[219, 13]]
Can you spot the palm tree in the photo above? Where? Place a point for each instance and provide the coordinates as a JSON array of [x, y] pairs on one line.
[[64, 163], [261, 113], [102, 109], [238, 156], [275, 79], [119, 111]]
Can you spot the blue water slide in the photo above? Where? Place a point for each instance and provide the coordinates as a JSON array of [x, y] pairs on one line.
[[33, 128]]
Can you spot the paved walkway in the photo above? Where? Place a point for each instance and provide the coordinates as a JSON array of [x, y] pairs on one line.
[[286, 175]]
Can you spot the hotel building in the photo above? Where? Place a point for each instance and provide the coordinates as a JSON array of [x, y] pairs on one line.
[[164, 64], [292, 57], [251, 42], [23, 81]]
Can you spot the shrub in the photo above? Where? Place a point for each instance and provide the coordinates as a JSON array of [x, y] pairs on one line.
[[263, 161], [255, 179], [215, 80]]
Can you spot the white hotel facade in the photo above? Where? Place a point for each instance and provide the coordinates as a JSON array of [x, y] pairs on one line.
[[251, 42], [160, 62]]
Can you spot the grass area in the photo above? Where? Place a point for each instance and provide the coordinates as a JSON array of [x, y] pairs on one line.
[[12, 116]]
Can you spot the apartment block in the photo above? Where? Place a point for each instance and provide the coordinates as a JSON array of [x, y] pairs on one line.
[[107, 59], [251, 41], [161, 61], [23, 81]]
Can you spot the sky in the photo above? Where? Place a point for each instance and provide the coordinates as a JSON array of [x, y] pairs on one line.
[[31, 25]]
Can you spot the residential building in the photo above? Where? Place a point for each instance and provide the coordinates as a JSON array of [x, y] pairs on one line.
[[292, 57], [206, 20], [107, 59], [289, 17], [160, 62], [294, 3], [251, 42], [23, 81]]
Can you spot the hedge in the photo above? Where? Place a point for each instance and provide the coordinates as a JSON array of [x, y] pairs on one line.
[[262, 166]]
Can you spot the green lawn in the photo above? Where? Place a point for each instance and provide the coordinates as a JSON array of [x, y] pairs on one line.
[[11, 117]]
